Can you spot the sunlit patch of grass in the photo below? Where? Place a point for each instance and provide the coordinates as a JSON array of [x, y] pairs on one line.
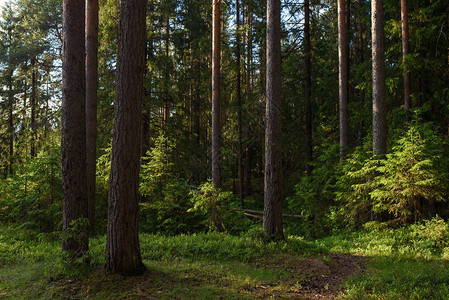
[[203, 266], [393, 278], [400, 264]]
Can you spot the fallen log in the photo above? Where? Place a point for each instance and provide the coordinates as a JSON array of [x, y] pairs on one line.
[[259, 212]]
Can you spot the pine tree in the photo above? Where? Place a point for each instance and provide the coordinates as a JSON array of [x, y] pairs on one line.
[[122, 246]]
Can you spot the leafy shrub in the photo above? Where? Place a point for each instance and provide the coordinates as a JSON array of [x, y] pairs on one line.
[[401, 188], [32, 197], [219, 208], [434, 230], [315, 195], [166, 197]]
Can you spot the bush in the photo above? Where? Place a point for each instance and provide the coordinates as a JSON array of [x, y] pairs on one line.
[[32, 197], [399, 189], [219, 208], [165, 197], [315, 195]]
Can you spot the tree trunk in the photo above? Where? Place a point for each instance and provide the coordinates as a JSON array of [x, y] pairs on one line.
[[148, 93], [379, 100], [167, 76], [343, 75], [10, 123], [272, 217], [239, 107], [308, 88], [33, 107], [405, 52], [122, 246], [91, 104], [216, 115], [73, 141], [249, 82], [361, 60]]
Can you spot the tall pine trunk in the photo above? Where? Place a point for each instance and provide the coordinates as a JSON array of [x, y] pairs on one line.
[[10, 123], [249, 83], [405, 52], [378, 58], [272, 216], [33, 108], [361, 60], [91, 103], [239, 107], [122, 245], [308, 88], [216, 115], [73, 141], [343, 75]]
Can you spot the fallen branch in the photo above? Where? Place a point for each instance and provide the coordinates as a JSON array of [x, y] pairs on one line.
[[254, 216], [259, 212]]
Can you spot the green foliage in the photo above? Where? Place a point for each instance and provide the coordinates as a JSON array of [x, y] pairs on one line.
[[428, 239], [32, 197], [220, 208], [166, 201], [404, 263], [402, 187], [400, 279], [315, 195]]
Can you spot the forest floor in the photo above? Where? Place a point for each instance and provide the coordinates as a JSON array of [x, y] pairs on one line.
[[286, 276], [280, 276], [357, 265]]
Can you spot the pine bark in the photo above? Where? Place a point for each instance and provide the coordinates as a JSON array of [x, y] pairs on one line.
[[405, 52], [91, 104], [239, 107], [73, 141], [361, 60], [216, 115], [10, 124], [122, 246], [378, 58], [308, 88], [249, 83], [33, 108], [272, 217], [343, 76]]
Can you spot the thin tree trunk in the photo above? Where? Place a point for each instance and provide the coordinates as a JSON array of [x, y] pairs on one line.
[[146, 119], [308, 88], [239, 107], [405, 52], [343, 75], [196, 102], [361, 60], [11, 124], [272, 217], [379, 100], [249, 80], [33, 108], [167, 75], [73, 141], [122, 245], [91, 104], [216, 114]]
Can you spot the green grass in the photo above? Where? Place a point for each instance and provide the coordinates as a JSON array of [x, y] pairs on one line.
[[405, 263], [204, 266], [396, 278]]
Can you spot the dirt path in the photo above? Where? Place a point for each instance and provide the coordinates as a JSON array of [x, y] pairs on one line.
[[312, 278], [325, 276]]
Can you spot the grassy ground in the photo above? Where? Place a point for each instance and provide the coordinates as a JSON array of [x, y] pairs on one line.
[[387, 264]]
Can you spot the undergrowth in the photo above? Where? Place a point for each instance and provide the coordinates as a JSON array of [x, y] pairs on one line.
[[404, 263]]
